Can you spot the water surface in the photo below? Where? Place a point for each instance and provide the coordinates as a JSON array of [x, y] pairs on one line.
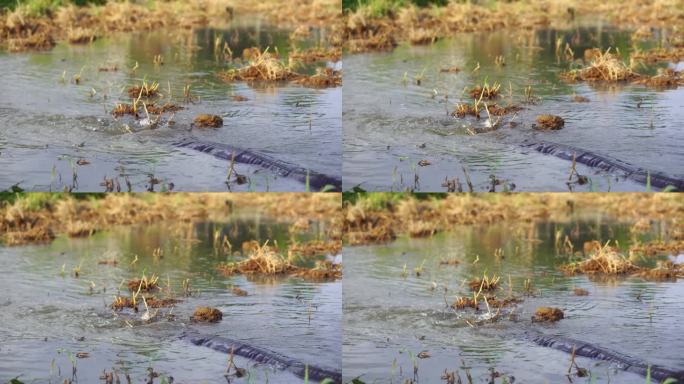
[[391, 123], [47, 124], [48, 316], [388, 318]]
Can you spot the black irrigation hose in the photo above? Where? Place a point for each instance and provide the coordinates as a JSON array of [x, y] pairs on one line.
[[624, 362], [317, 181], [261, 355], [605, 163]]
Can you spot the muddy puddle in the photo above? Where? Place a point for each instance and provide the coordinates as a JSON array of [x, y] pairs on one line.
[[57, 129], [407, 314], [392, 122], [54, 320]]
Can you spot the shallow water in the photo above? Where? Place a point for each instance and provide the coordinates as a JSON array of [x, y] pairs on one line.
[[47, 125], [404, 316], [387, 121], [46, 316]]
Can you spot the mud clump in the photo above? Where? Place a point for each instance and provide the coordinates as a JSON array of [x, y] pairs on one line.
[[317, 54], [657, 247], [580, 99], [324, 271], [168, 107], [327, 78], [547, 314], [124, 109], [207, 315], [208, 121], [145, 90], [316, 248], [549, 123], [663, 80], [580, 292], [478, 109]]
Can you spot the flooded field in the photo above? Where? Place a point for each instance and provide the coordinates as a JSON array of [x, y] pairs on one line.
[[402, 130], [59, 132], [58, 323], [406, 329]]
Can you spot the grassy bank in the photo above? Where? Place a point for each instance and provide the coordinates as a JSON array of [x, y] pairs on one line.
[[39, 24], [381, 24], [27, 218]]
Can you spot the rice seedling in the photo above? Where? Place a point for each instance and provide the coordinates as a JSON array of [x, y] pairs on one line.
[[486, 283]]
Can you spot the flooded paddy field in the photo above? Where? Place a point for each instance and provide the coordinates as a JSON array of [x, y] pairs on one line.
[[404, 130], [67, 122], [407, 316], [62, 322]]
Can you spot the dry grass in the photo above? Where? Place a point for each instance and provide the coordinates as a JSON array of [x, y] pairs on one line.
[[657, 247], [315, 248], [324, 78], [262, 66], [81, 36], [485, 284], [603, 67], [312, 55], [144, 284], [365, 224], [421, 229], [604, 261]]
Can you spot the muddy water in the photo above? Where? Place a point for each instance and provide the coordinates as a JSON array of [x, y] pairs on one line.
[[46, 125], [47, 317], [403, 316], [389, 127]]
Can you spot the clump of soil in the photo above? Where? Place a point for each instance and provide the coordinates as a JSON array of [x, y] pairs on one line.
[[324, 271], [124, 109], [656, 55], [32, 235], [485, 91], [153, 302], [167, 107], [549, 122], [144, 285], [580, 292], [144, 90], [664, 79], [316, 248], [318, 54], [239, 98], [326, 78], [452, 261], [238, 292], [604, 261], [477, 109], [547, 314], [450, 70], [603, 67], [121, 302], [490, 301], [657, 247], [262, 66], [580, 99], [207, 315], [208, 121], [484, 284]]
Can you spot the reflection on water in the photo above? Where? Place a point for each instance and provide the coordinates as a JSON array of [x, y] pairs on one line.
[[49, 122], [48, 316], [391, 123], [404, 316]]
